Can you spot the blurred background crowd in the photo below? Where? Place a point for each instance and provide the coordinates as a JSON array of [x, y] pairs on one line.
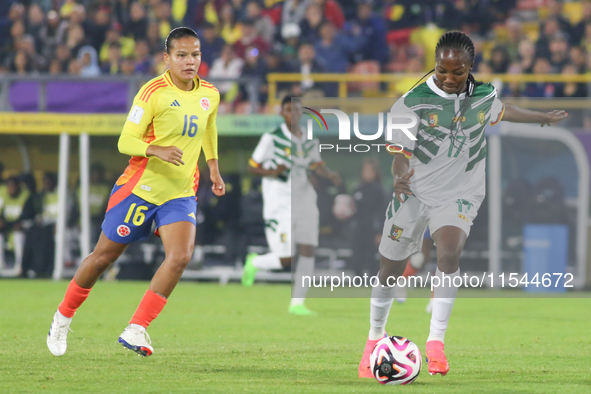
[[252, 38]]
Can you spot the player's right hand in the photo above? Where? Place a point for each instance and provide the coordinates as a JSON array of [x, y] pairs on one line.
[[169, 154], [280, 170], [402, 185]]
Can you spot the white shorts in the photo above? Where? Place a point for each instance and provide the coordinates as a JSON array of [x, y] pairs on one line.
[[406, 223], [284, 231]]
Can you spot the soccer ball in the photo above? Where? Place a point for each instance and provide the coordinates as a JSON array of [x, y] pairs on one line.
[[343, 207], [395, 360]]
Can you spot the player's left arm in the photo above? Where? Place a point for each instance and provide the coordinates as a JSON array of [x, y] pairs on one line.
[[210, 148], [516, 114]]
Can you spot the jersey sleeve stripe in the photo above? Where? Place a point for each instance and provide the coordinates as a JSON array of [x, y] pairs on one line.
[[314, 166], [210, 87], [150, 86], [394, 149], [253, 163], [153, 89], [500, 117], [127, 188]]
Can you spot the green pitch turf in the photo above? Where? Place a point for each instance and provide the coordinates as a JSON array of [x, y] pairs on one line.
[[228, 339]]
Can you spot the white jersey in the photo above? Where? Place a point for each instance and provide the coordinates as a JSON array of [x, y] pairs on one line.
[[448, 155], [298, 155]]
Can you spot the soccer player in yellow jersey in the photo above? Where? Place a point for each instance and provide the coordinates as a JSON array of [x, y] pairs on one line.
[[172, 119]]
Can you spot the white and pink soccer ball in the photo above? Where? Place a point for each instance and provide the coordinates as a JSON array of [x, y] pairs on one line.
[[395, 360]]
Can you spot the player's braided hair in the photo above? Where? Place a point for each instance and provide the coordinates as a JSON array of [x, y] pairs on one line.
[[177, 33]]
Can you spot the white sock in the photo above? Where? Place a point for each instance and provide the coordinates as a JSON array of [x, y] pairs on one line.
[[305, 267], [443, 302], [269, 261], [62, 317], [381, 302]]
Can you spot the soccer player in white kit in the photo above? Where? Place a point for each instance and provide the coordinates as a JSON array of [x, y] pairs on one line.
[[439, 181], [283, 157]]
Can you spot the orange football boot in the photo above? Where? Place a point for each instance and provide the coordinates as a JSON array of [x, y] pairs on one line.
[[436, 358], [364, 367]]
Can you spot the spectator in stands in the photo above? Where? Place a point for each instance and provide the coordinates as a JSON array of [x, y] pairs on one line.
[[88, 59], [549, 30], [55, 67], [577, 58], [137, 26], [231, 30], [254, 70], [75, 38], [290, 33], [559, 52], [15, 211], [263, 25], [310, 26], [48, 34], [579, 29], [516, 34], [40, 245], [27, 45], [228, 66], [211, 44], [570, 89], [306, 65], [555, 10], [334, 49], [113, 63], [403, 14], [370, 201], [499, 60], [21, 63], [17, 32], [153, 38], [250, 39], [294, 11], [275, 64], [372, 29], [98, 28], [526, 56], [63, 55], [586, 40], [74, 67], [143, 60], [540, 89], [35, 25], [126, 44], [165, 20], [332, 12], [128, 66]]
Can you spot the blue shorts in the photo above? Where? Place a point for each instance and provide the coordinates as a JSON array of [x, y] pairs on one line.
[[131, 218]]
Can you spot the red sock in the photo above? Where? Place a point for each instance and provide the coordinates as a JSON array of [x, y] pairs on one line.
[[149, 308], [409, 271], [75, 296]]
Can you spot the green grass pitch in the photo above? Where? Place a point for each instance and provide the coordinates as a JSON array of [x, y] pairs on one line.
[[228, 339]]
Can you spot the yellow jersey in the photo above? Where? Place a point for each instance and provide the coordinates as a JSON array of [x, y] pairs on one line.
[[165, 115]]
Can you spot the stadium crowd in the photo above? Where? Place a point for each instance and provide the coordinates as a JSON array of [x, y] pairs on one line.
[[252, 38]]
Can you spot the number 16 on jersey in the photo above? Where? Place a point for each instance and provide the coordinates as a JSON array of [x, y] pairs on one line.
[[191, 123]]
